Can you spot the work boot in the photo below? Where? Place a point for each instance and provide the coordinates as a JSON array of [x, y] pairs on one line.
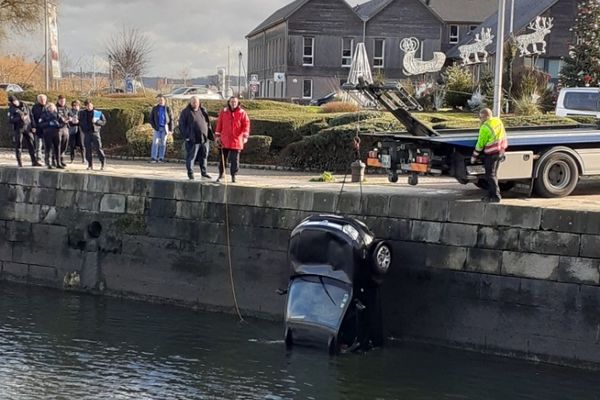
[[19, 162], [102, 165], [233, 178], [205, 175], [190, 175], [37, 164]]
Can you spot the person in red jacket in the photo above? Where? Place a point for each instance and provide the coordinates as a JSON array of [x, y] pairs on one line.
[[233, 129]]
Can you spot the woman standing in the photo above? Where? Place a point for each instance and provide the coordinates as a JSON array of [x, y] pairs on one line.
[[233, 129], [51, 123]]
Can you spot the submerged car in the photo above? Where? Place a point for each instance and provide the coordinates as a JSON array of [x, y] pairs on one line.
[[333, 296]]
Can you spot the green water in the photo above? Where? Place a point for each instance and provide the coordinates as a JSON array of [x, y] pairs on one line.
[[63, 346]]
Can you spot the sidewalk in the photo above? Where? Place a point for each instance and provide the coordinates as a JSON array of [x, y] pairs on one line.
[[585, 198]]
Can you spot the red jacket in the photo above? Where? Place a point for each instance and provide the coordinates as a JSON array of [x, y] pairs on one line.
[[233, 127]]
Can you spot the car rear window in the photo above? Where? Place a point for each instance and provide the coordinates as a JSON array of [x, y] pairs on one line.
[[3, 86], [581, 101]]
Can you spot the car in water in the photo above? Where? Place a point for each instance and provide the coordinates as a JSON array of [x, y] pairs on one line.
[[333, 295], [187, 92], [11, 88]]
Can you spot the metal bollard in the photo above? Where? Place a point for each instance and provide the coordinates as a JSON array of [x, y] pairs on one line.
[[358, 171]]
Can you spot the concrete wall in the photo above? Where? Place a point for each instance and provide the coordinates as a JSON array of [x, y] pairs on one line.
[[504, 279]]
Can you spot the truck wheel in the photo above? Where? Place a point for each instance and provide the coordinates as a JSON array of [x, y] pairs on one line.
[[557, 177], [413, 179], [381, 258], [393, 177]]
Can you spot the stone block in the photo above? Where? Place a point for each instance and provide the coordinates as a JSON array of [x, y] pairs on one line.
[[190, 210], [121, 185], [136, 205], [408, 255], [9, 175], [18, 231], [48, 215], [27, 177], [161, 207], [590, 246], [389, 228], [188, 191], [161, 189], [65, 198], [459, 235], [562, 244], [27, 212], [18, 194], [270, 198], [215, 212], [445, 257], [15, 270], [141, 187], [528, 265], [513, 216], [49, 179], [5, 250], [213, 193], [259, 238], [4, 189], [99, 183], [325, 202], [7, 210], [484, 261], [425, 231], [113, 203], [240, 195], [75, 182], [433, 210], [47, 275], [579, 270], [61, 258], [350, 204], [298, 199], [498, 238], [467, 212], [46, 196], [571, 221], [376, 204], [404, 207], [88, 201], [51, 236]]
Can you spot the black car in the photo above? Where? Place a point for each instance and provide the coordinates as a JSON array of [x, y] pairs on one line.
[[333, 297], [328, 98]]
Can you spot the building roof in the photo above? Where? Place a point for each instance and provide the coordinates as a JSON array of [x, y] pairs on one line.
[[278, 16], [525, 12], [463, 10], [368, 10]]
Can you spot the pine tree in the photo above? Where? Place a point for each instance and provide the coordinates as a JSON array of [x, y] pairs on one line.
[[582, 66]]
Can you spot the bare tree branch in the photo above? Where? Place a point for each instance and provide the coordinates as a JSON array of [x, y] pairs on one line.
[[129, 50], [20, 14]]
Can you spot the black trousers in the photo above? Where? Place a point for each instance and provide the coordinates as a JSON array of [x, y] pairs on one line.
[[197, 152], [75, 141], [24, 136], [491, 163], [229, 156], [51, 145], [92, 141]]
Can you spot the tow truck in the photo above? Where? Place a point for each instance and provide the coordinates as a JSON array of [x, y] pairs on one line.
[[549, 160]]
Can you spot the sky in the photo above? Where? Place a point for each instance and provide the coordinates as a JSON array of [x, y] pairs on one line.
[[186, 34]]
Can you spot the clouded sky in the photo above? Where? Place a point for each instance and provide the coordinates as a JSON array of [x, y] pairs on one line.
[[190, 34]]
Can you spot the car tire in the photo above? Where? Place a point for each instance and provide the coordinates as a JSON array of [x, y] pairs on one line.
[[381, 258], [393, 177], [558, 175]]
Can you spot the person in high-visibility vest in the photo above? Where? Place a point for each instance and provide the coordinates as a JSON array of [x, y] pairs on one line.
[[490, 146]]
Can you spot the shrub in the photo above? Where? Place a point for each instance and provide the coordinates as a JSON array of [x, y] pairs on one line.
[[339, 106], [527, 105], [324, 177], [459, 84], [3, 98], [139, 142], [345, 119]]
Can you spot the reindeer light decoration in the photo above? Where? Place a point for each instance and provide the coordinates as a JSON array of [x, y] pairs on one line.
[[541, 26], [414, 66], [470, 52]]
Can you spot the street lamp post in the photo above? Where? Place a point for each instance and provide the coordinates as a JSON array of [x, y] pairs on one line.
[[239, 73], [46, 60], [110, 73], [499, 58]]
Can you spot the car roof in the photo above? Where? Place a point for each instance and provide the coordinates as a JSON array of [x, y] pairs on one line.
[[581, 89]]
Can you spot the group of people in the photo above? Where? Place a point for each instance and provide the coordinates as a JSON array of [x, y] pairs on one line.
[[230, 134], [54, 127]]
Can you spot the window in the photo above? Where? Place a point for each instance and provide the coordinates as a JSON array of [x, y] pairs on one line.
[[307, 89], [308, 52], [379, 53], [472, 28], [347, 46], [453, 34], [581, 101]]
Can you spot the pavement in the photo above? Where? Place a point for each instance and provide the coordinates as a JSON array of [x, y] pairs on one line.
[[585, 198]]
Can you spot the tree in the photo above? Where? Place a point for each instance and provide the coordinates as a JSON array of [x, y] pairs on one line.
[[582, 66], [20, 14], [129, 51]]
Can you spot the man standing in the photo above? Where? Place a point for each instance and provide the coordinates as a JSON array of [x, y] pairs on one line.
[[37, 110], [233, 129], [52, 123], [20, 117], [75, 135], [161, 119], [493, 142], [90, 123], [63, 133], [195, 128]]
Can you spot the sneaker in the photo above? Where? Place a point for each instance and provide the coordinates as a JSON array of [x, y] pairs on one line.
[[102, 165], [89, 168], [50, 166], [37, 164], [153, 161], [60, 166], [233, 178], [207, 176], [161, 161], [191, 175]]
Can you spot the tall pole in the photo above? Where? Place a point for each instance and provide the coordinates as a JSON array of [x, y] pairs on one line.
[[512, 15], [499, 58], [227, 75], [46, 60], [239, 73]]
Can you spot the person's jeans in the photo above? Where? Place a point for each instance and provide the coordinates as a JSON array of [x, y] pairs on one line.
[[232, 157], [491, 163], [159, 144], [24, 136], [196, 151], [93, 142], [38, 144]]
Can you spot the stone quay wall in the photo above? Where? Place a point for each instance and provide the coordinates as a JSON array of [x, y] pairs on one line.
[[510, 280]]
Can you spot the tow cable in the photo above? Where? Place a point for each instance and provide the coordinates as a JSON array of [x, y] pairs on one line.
[[356, 152]]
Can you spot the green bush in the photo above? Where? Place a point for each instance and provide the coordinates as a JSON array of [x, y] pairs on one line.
[[139, 143], [349, 118], [339, 106], [459, 83]]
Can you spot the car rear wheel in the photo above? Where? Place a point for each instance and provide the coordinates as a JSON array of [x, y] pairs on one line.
[[381, 259], [557, 177]]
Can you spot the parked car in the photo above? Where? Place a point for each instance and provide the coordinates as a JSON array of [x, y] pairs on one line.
[[333, 297], [11, 87], [202, 92], [578, 101]]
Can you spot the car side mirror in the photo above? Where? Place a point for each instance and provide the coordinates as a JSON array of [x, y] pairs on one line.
[[281, 292]]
